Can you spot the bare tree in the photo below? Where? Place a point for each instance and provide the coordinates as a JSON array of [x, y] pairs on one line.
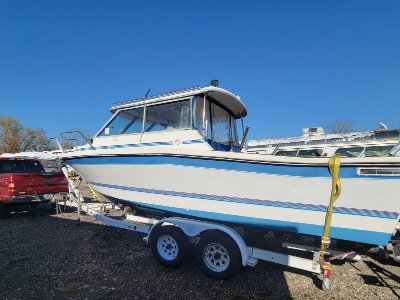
[[16, 138], [67, 145], [342, 126], [9, 135]]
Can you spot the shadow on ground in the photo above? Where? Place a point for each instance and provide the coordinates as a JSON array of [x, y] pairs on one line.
[[382, 278]]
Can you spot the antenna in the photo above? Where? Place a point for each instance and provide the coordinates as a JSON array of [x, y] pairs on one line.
[[145, 96]]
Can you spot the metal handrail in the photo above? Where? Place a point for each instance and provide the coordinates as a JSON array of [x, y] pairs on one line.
[[77, 131], [244, 138]]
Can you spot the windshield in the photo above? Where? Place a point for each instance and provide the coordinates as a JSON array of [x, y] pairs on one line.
[[174, 115], [126, 121], [165, 116]]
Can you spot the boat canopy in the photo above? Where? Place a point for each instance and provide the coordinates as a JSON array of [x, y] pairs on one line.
[[227, 99]]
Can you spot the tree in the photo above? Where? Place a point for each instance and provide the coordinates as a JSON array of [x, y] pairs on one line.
[[342, 126], [14, 137]]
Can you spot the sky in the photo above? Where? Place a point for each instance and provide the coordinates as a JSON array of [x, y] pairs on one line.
[[294, 63]]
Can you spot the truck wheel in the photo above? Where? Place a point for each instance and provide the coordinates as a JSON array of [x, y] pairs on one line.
[[169, 245], [4, 211], [218, 255]]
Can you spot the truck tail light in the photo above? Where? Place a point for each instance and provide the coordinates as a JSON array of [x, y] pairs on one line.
[[10, 184]]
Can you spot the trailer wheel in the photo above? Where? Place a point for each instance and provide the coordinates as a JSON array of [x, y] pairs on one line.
[[218, 255], [4, 211], [169, 245]]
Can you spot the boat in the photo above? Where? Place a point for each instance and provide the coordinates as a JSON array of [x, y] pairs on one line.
[[316, 143], [178, 154]]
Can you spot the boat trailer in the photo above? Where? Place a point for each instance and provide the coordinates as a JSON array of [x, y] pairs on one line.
[[224, 250]]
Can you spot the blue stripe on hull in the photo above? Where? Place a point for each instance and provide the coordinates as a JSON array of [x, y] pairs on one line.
[[138, 145], [362, 236], [256, 167], [280, 204]]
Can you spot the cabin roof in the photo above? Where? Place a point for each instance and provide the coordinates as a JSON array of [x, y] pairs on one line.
[[226, 98]]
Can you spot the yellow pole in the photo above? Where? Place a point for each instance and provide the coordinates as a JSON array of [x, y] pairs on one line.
[[334, 166]]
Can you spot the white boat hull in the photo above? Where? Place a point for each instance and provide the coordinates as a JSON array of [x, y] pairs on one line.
[[288, 197]]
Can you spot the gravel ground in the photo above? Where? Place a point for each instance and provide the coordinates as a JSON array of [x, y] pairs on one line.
[[45, 256]]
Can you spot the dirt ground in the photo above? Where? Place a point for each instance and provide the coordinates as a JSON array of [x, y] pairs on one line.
[[49, 256]]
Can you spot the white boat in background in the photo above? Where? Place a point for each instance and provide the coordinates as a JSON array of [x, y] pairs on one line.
[[178, 154], [316, 143]]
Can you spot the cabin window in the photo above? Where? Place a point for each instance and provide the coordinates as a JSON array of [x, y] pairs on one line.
[[173, 115], [125, 122], [349, 152], [377, 151], [216, 124], [221, 125], [379, 171], [286, 153], [310, 153], [202, 108], [235, 139]]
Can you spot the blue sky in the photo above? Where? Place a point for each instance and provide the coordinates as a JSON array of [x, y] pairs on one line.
[[294, 63]]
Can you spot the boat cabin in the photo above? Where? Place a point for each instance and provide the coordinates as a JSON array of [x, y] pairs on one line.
[[201, 116]]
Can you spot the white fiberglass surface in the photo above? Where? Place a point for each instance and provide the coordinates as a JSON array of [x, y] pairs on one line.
[[356, 193], [250, 210]]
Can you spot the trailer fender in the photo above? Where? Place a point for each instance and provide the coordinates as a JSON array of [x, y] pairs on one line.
[[193, 228]]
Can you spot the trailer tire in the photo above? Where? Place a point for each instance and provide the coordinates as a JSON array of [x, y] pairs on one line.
[[5, 211], [219, 255], [169, 245]]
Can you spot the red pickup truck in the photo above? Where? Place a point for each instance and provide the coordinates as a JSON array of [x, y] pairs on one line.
[[24, 181]]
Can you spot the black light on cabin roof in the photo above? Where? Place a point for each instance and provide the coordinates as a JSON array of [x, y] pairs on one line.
[[214, 82]]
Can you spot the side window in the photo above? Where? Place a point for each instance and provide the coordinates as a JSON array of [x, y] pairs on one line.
[[234, 132], [349, 152], [174, 115], [377, 151], [126, 121], [220, 125], [286, 153], [310, 153], [201, 108]]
